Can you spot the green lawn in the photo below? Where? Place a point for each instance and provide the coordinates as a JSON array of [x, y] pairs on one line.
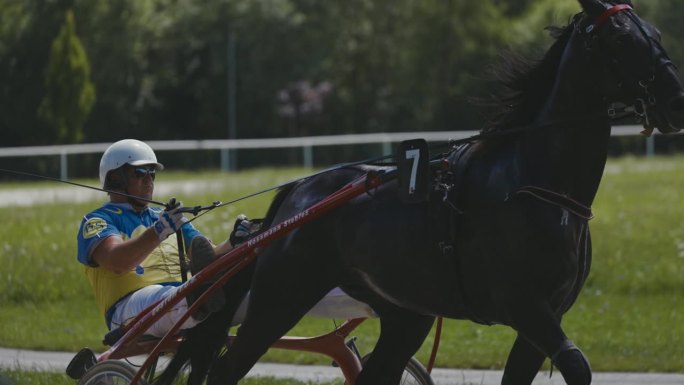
[[630, 316]]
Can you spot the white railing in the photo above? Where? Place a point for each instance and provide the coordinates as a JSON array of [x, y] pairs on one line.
[[306, 143]]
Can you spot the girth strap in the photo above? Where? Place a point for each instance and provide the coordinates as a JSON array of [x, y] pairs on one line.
[[559, 200]]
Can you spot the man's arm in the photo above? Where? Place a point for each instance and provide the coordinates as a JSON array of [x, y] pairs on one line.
[[241, 231], [223, 248], [117, 255]]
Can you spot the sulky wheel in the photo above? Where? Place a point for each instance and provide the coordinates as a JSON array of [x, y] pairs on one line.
[[110, 373], [415, 374]]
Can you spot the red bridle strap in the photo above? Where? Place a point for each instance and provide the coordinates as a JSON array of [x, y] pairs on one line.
[[606, 15]]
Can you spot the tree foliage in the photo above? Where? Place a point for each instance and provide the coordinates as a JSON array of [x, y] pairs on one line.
[[27, 29], [160, 66], [69, 93]]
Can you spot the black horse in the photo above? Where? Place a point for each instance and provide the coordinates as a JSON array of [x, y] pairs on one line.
[[504, 236]]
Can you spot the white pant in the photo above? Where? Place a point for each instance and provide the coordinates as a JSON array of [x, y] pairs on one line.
[[131, 306], [336, 304]]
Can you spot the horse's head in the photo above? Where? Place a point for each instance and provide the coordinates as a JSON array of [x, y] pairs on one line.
[[637, 69]]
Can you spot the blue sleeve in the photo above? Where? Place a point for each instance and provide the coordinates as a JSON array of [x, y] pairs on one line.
[[95, 227]]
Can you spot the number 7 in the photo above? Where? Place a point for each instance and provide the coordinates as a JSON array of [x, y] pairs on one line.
[[414, 155]]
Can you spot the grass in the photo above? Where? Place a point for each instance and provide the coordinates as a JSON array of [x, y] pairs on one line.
[[628, 318]]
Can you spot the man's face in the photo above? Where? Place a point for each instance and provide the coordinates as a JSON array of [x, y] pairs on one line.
[[141, 180]]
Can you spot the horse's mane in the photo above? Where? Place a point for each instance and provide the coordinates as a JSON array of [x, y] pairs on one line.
[[524, 84]]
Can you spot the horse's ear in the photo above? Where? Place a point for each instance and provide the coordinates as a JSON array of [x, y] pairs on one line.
[[592, 7]]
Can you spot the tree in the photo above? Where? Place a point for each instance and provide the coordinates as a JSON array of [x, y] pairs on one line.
[[160, 65], [527, 29], [666, 16], [26, 31], [69, 92]]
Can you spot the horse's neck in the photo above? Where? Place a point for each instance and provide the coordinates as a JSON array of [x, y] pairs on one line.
[[569, 156], [572, 159]]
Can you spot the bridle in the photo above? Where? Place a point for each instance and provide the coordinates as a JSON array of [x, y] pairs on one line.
[[606, 15], [648, 99]]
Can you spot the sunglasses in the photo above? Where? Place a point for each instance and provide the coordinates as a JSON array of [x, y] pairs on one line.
[[141, 172]]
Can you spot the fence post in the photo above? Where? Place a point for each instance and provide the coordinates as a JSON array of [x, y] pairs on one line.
[[63, 166], [225, 160], [386, 148], [650, 146], [308, 155]]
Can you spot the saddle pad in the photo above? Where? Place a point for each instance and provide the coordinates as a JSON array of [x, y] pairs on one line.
[[335, 304]]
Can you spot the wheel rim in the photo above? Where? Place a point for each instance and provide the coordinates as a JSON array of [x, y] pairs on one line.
[[110, 377], [110, 373]]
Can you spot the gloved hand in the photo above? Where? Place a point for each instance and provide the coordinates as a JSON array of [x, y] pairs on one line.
[[170, 220], [241, 230]]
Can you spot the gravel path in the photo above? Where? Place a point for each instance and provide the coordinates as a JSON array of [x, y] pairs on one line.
[[57, 361]]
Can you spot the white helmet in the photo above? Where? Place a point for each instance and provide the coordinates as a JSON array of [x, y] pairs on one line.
[[127, 151]]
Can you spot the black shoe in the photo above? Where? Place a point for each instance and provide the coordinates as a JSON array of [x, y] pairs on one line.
[[202, 254], [79, 365]]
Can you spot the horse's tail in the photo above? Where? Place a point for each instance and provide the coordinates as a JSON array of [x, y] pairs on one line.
[[277, 201], [285, 190]]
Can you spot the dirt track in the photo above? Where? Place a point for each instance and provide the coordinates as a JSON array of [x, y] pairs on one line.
[[57, 361]]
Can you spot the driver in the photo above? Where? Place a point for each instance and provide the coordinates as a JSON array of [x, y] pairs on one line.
[[130, 251]]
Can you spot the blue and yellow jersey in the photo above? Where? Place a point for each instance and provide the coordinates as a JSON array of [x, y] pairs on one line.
[[120, 219]]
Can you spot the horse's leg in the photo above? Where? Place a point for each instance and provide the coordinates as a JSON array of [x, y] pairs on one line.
[[206, 343], [523, 363], [203, 342], [538, 324], [262, 327], [401, 335], [281, 294], [214, 331]]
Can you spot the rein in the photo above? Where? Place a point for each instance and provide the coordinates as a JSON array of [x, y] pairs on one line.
[[22, 173], [557, 199], [198, 211]]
